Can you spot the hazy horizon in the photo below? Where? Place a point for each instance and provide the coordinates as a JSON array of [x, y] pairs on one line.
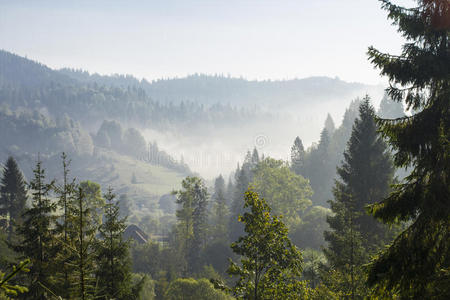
[[223, 75]]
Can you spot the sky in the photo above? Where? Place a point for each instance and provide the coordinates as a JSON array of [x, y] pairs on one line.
[[254, 39]]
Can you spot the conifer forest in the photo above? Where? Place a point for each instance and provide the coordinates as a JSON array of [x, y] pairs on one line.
[[233, 163]]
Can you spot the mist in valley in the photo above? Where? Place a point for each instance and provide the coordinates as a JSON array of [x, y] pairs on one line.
[[211, 149]]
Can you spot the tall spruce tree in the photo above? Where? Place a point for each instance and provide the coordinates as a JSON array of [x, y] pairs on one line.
[[192, 222], [365, 177], [13, 194], [255, 158], [113, 264], [65, 191], [94, 200], [344, 274], [82, 232], [220, 210], [367, 171], [297, 156], [37, 232], [417, 264], [242, 178], [329, 125], [319, 169]]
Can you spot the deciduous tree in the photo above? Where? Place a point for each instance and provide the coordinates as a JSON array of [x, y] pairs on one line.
[[271, 265]]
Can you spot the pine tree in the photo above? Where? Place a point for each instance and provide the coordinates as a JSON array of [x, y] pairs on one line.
[[192, 222], [113, 265], [319, 169], [37, 232], [8, 289], [94, 200], [342, 134], [255, 157], [297, 156], [242, 178], [220, 210], [417, 264], [324, 143], [66, 192], [367, 170], [365, 176], [344, 273], [13, 194], [82, 233], [329, 125], [229, 191]]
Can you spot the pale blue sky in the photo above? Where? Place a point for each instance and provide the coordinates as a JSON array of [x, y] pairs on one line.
[[154, 39]]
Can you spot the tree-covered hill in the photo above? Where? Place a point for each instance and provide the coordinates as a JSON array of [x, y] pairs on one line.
[[211, 89], [28, 84], [20, 72]]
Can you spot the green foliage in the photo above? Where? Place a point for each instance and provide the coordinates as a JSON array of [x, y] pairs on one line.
[[192, 223], [8, 255], [220, 231], [365, 175], [313, 260], [309, 234], [66, 192], [13, 194], [217, 254], [321, 159], [37, 233], [243, 176], [143, 287], [344, 274], [134, 142], [271, 265], [25, 131], [297, 156], [94, 199], [147, 258], [286, 192], [319, 168], [5, 278], [81, 244], [418, 262], [113, 265], [191, 289]]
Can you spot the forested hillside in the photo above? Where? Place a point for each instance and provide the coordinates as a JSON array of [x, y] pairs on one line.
[[208, 89]]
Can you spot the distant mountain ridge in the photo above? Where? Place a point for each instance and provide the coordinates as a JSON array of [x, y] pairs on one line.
[[25, 84], [21, 72], [198, 88], [211, 89]]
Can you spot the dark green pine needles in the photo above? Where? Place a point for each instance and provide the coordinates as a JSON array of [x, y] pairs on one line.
[[417, 264]]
